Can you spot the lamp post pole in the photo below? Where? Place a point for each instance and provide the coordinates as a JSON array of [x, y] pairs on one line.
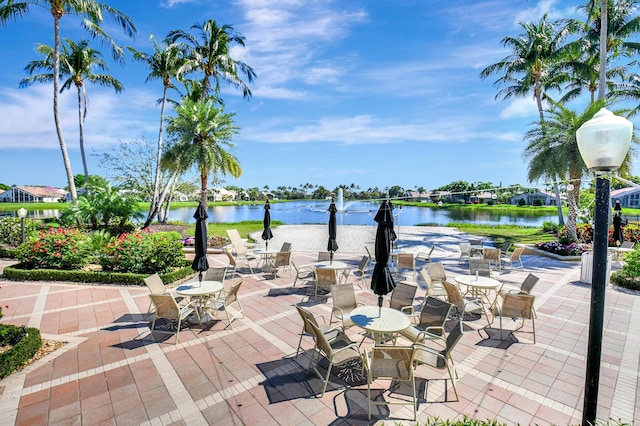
[[603, 142], [598, 287], [22, 213]]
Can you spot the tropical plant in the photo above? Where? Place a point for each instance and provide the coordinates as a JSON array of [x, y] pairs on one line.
[[527, 69], [77, 62], [92, 13], [163, 64], [11, 230], [202, 133], [208, 51], [553, 153]]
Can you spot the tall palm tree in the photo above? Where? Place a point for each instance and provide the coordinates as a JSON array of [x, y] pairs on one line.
[[208, 52], [92, 13], [203, 133], [553, 153], [526, 70], [163, 64], [77, 62]]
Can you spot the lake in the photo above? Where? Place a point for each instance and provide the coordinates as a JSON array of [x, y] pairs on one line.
[[361, 213]]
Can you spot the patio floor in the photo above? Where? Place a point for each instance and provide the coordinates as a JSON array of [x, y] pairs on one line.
[[112, 371]]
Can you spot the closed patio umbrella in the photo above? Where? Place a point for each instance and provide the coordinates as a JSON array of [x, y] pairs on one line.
[[266, 233], [200, 261], [333, 244], [382, 281]]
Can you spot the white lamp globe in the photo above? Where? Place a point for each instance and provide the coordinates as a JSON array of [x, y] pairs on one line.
[[22, 212], [604, 140]]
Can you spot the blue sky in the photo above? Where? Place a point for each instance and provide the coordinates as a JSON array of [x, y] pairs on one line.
[[376, 93]]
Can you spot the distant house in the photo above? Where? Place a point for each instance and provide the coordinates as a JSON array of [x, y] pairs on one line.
[[222, 194], [417, 196], [32, 194], [481, 197], [547, 198], [628, 197]]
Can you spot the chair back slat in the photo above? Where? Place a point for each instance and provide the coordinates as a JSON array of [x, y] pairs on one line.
[[285, 247], [324, 256], [307, 317], [326, 277], [434, 312], [436, 271], [283, 258], [481, 266], [166, 306], [453, 338], [518, 306], [529, 282], [215, 274], [344, 296], [453, 295], [232, 295], [155, 284], [392, 362]]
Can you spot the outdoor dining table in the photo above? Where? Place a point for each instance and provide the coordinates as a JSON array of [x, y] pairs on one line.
[[266, 256], [479, 286], [380, 322], [200, 292]]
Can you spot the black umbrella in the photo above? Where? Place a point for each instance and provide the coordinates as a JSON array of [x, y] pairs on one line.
[[333, 244], [266, 233], [382, 281], [200, 262]]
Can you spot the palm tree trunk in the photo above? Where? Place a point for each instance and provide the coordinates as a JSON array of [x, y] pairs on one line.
[[81, 130], [56, 114], [559, 203], [573, 197], [203, 190], [153, 208], [603, 50]]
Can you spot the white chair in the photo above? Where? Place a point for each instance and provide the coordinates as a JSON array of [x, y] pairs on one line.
[[229, 300], [406, 261], [331, 333], [514, 258], [465, 252], [517, 306], [455, 297], [302, 272], [393, 363], [234, 262]]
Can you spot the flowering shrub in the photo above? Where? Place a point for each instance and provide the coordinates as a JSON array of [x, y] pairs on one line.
[[144, 252], [61, 248], [573, 249], [11, 231], [216, 241]]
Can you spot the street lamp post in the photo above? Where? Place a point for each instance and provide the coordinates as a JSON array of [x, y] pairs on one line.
[[603, 142], [22, 213]]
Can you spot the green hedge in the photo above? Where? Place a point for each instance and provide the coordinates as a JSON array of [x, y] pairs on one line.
[[17, 273], [25, 343], [7, 252], [623, 280]]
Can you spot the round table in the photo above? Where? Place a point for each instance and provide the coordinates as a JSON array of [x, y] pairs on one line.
[[332, 265], [479, 286], [200, 292], [266, 256], [380, 322]]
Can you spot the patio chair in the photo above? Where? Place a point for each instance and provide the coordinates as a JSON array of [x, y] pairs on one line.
[[282, 260], [215, 274], [372, 260], [166, 307], [324, 256], [360, 270], [517, 306], [466, 306], [393, 363], [156, 286], [406, 261], [504, 250], [402, 297], [442, 359], [434, 287], [480, 266], [325, 277], [338, 352], [433, 317], [285, 247], [514, 257], [330, 333], [344, 301], [229, 300], [425, 255], [493, 256], [301, 272], [438, 276], [236, 262], [465, 252]]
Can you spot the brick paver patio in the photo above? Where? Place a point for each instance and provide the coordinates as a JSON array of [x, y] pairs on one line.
[[112, 371]]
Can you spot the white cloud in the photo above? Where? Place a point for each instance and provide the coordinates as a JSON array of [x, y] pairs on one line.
[[522, 107]]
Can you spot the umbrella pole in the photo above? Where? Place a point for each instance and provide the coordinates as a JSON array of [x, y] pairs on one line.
[[330, 257], [200, 277]]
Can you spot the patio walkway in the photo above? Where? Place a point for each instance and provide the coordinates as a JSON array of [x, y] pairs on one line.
[[112, 372]]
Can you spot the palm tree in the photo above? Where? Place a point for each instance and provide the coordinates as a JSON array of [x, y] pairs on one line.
[[202, 133], [526, 69], [163, 64], [553, 153], [77, 61], [208, 52], [92, 13]]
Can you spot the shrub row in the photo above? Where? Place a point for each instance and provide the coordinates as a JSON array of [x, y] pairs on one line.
[[7, 252], [25, 343], [19, 273]]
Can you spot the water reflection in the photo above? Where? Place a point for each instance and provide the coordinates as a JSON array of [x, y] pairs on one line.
[[361, 213]]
